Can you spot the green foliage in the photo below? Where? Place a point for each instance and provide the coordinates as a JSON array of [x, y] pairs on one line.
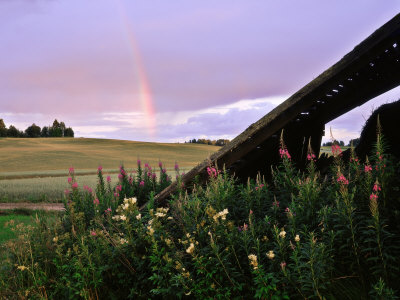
[[299, 236]]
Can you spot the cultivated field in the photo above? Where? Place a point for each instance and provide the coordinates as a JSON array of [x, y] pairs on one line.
[[37, 169]]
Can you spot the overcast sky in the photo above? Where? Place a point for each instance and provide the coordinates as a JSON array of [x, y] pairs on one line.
[[173, 70]]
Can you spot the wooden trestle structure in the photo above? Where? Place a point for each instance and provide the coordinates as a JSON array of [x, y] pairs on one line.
[[370, 69]]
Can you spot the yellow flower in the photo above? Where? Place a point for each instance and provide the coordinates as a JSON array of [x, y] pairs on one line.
[[138, 217], [160, 215], [270, 254], [282, 234], [253, 261], [55, 239], [123, 241], [297, 238], [123, 217], [190, 249], [22, 268]]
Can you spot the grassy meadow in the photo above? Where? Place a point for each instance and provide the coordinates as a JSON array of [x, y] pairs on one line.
[[37, 169]]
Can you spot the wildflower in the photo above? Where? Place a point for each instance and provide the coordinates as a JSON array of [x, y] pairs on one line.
[[190, 249], [55, 239], [120, 176], [99, 168], [141, 184], [108, 210], [282, 234], [75, 185], [336, 150], [376, 187], [123, 241], [138, 162], [66, 192], [150, 230], [373, 197], [116, 195], [169, 218], [271, 254], [69, 179], [108, 178], [341, 179], [284, 153], [160, 215], [221, 214], [367, 168], [154, 176], [311, 157], [138, 217], [71, 170], [93, 233], [22, 268], [176, 167], [96, 201], [251, 212], [275, 203], [212, 172], [283, 265], [118, 188], [160, 164], [297, 238], [253, 261]]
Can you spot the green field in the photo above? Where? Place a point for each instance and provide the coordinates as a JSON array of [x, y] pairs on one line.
[[36, 169]]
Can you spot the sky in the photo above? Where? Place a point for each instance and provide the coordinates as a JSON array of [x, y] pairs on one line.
[[170, 71]]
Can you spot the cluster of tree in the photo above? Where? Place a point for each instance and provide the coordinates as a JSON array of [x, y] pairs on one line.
[[57, 130], [220, 142], [341, 143]]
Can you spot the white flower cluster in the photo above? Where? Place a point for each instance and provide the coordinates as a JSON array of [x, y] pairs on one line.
[[119, 217], [221, 214], [128, 202], [161, 212]]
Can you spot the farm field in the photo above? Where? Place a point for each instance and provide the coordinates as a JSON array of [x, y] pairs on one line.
[[37, 169]]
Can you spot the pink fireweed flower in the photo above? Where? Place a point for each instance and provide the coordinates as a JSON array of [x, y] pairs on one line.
[[176, 167], [130, 180], [275, 204], [69, 179], [141, 183], [284, 153], [212, 172], [245, 227], [336, 150], [160, 164], [154, 176], [341, 179], [251, 212], [71, 170], [108, 210], [283, 265], [146, 165], [116, 195], [259, 187], [96, 201], [120, 176], [164, 171], [311, 157], [99, 168], [75, 185], [373, 197], [376, 187], [138, 162], [118, 188], [108, 178], [66, 192], [93, 233], [367, 168]]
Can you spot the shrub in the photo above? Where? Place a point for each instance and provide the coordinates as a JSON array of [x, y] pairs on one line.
[[298, 236]]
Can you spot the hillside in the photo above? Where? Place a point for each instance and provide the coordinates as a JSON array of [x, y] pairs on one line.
[[19, 155]]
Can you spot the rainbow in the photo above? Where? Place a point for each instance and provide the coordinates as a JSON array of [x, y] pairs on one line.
[[145, 94]]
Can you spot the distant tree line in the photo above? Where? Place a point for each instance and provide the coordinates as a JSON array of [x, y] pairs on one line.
[[58, 129], [220, 142], [341, 143]]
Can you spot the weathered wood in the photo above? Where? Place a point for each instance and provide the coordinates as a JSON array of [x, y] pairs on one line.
[[350, 82]]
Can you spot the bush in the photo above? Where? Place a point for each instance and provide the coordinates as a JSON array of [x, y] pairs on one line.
[[298, 236]]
